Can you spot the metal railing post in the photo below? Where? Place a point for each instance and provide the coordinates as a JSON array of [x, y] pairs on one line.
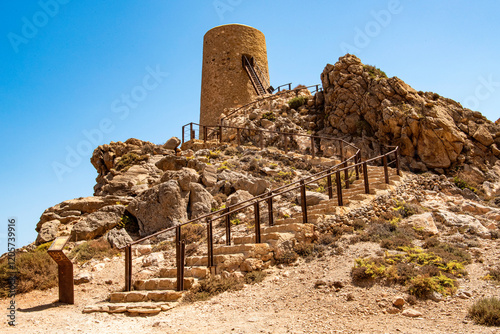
[[329, 185], [346, 175], [228, 229], [365, 177], [398, 171], [386, 171], [303, 201], [205, 133], [191, 131], [179, 254], [256, 211], [183, 130], [341, 147], [128, 268], [339, 189], [356, 162], [270, 209], [313, 154], [210, 242]]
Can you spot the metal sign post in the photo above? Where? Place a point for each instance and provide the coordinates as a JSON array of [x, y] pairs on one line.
[[65, 268]]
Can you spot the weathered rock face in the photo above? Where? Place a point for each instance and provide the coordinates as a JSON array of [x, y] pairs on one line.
[[118, 237], [97, 223], [59, 219], [432, 131], [160, 207], [127, 168]]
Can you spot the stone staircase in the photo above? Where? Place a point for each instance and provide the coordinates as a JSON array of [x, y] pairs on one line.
[[159, 294]]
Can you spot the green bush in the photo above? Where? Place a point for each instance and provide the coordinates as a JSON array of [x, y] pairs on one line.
[[297, 102], [374, 72], [463, 184], [269, 116], [486, 311]]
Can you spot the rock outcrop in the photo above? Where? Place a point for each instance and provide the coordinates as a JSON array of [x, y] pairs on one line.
[[433, 132]]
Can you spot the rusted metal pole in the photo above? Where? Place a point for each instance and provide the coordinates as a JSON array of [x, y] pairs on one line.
[[210, 242], [398, 171], [339, 188], [386, 171], [329, 185], [228, 229], [191, 131], [183, 130], [205, 133], [356, 162], [256, 211], [341, 147], [303, 201], [179, 252], [313, 154], [128, 268], [270, 209], [346, 175], [365, 177]]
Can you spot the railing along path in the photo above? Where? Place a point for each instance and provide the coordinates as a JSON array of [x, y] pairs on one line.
[[352, 163]]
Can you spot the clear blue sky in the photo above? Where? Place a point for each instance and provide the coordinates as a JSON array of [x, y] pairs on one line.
[[66, 68]]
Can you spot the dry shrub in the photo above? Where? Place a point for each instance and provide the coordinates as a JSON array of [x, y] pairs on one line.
[[94, 249], [287, 258], [255, 276], [486, 311], [36, 270], [192, 233], [211, 287]]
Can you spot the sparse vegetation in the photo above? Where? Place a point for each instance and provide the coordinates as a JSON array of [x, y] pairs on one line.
[[35, 270], [374, 72], [269, 116], [462, 184], [213, 286], [255, 276], [297, 102], [486, 311], [94, 249], [129, 159]]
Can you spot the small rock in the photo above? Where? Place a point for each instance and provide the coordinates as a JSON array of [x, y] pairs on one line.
[[398, 302], [411, 313], [83, 277]]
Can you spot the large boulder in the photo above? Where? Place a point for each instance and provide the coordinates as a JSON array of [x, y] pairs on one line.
[[254, 185], [200, 201], [118, 237], [312, 198], [160, 207], [48, 231], [238, 197], [97, 223], [424, 222], [185, 177], [362, 102], [172, 143]]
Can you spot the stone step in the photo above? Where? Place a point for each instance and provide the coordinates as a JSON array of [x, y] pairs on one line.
[[247, 249], [267, 237], [163, 283], [144, 296], [139, 308], [290, 227], [202, 261], [195, 272]]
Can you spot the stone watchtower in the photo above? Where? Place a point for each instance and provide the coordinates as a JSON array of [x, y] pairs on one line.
[[234, 70]]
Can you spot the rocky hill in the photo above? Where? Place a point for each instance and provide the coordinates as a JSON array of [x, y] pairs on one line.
[[447, 202]]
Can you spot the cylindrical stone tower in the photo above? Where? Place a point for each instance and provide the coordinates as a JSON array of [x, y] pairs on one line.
[[225, 82]]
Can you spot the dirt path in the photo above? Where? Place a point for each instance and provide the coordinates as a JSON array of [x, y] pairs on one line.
[[287, 301]]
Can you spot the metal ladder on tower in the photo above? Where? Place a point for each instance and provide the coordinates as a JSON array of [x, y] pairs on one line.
[[248, 64]]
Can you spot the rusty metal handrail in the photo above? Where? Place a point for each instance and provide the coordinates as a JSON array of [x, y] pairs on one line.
[[265, 197], [267, 97]]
